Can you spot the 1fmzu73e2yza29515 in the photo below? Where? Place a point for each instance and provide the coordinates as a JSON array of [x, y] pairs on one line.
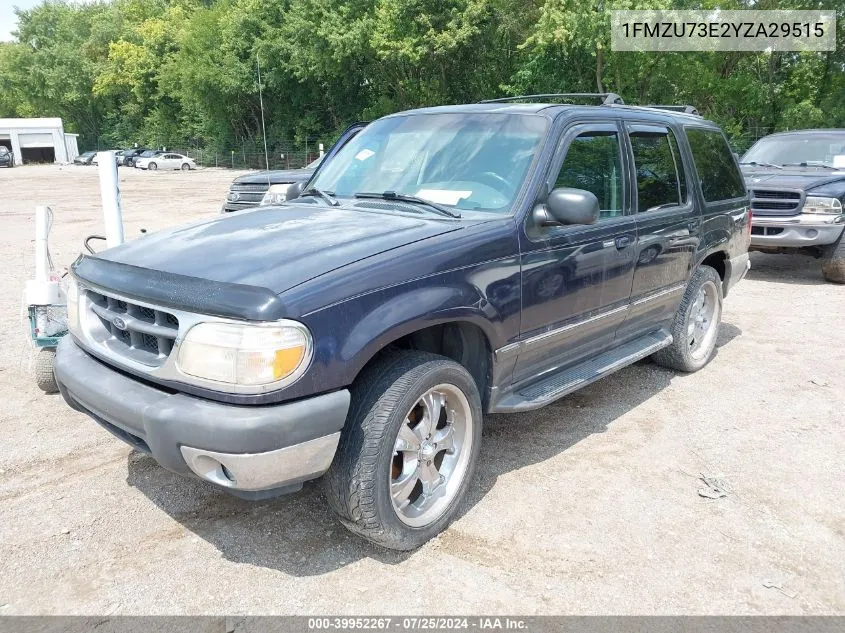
[[446, 263]]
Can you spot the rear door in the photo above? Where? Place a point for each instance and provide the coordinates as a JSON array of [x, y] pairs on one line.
[[576, 280], [668, 225]]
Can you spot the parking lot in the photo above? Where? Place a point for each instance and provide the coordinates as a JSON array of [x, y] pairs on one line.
[[595, 504]]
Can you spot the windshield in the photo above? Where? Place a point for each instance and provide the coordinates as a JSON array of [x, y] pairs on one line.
[[812, 149], [149, 153], [469, 161]]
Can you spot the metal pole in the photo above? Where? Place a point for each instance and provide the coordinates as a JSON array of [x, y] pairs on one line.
[[263, 130], [110, 195]]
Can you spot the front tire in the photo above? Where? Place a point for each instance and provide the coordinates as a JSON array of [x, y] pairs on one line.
[[152, 166], [696, 325], [833, 262], [186, 167], [408, 450], [44, 376]]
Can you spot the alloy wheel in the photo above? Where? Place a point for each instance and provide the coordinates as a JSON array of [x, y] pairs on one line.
[[431, 455]]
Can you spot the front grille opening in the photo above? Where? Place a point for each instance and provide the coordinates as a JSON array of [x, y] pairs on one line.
[[147, 314], [773, 204], [783, 195], [766, 230], [149, 343]]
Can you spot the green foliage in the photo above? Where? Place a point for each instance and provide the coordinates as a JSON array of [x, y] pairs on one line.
[[184, 71]]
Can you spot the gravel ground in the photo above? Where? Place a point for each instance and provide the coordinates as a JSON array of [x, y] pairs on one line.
[[588, 506]]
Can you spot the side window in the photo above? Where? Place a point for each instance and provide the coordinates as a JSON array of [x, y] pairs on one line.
[[594, 162], [720, 179], [660, 172]]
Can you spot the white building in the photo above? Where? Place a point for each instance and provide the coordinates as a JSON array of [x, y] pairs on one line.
[[38, 140]]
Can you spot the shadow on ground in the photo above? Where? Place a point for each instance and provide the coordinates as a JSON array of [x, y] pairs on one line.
[[299, 535], [786, 269]]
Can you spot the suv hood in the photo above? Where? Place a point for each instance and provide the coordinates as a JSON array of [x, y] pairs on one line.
[[276, 177], [804, 179], [275, 247]]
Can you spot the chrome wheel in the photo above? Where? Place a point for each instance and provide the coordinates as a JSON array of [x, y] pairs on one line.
[[703, 321], [431, 455]]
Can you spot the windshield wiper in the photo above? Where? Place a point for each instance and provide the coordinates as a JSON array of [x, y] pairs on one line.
[[392, 195], [756, 164], [325, 195], [810, 164]]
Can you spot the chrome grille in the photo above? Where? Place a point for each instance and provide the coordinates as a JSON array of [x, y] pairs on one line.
[[139, 333], [776, 202], [247, 193]]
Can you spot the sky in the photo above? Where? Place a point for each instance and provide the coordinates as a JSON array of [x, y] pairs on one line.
[[8, 19]]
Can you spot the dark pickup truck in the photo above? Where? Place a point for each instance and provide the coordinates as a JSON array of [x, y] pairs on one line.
[[797, 185], [271, 187], [448, 263]]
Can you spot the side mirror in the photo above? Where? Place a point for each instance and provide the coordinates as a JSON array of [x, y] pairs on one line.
[[294, 190], [572, 206]]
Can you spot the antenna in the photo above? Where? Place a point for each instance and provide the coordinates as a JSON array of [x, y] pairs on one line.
[[263, 129]]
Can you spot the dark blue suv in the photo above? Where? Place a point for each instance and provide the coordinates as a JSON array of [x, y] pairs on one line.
[[446, 263]]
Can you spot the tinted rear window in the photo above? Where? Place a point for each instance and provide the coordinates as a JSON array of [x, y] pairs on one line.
[[720, 179]]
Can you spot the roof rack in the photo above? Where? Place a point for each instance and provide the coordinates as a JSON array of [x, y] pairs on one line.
[[607, 98], [687, 109]]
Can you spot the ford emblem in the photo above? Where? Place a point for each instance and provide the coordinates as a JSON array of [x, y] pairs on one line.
[[119, 323]]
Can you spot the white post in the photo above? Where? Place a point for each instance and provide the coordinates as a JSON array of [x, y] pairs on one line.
[[42, 291], [42, 221], [321, 150], [110, 195]]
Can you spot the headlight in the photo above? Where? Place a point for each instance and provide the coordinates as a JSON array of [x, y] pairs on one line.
[[815, 204], [276, 194], [246, 354], [72, 302]]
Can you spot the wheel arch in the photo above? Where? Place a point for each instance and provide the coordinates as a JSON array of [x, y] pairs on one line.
[[717, 260], [462, 340]]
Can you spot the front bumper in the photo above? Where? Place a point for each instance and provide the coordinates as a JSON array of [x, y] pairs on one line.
[[231, 207], [252, 451], [805, 229]]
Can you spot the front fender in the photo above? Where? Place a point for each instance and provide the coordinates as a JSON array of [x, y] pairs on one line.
[[410, 311], [349, 334]]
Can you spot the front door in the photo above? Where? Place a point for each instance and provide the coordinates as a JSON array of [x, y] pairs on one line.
[[576, 280], [668, 226]]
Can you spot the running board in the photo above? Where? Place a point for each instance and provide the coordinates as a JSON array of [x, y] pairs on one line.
[[557, 385]]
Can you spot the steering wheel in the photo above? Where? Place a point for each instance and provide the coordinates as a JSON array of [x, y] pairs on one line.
[[501, 185]]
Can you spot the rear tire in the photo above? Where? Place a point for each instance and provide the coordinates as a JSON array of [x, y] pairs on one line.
[[833, 261], [392, 481], [152, 166], [696, 325], [44, 376]]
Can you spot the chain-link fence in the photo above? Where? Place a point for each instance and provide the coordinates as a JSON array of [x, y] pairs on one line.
[[285, 154]]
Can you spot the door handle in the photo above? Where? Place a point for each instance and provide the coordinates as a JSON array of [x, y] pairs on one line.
[[623, 241]]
